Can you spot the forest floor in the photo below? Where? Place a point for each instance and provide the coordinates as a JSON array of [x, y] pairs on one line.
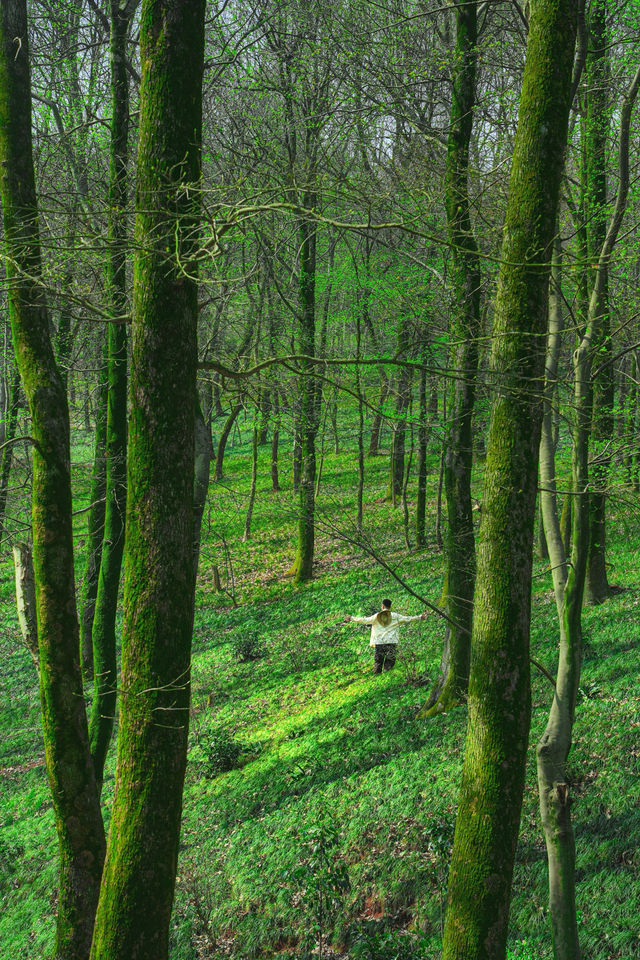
[[333, 827]]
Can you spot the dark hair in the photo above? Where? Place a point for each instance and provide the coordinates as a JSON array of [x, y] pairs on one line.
[[387, 604]]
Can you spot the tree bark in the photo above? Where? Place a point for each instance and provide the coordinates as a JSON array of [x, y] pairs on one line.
[[26, 599], [95, 527], [452, 683], [499, 697], [376, 426], [255, 442], [597, 130], [64, 721], [103, 706], [423, 436], [303, 564], [137, 889], [222, 442], [202, 470], [275, 440], [7, 445]]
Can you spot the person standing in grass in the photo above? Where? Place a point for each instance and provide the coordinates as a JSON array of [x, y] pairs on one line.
[[384, 634]]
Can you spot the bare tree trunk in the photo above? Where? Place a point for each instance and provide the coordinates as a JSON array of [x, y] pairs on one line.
[[376, 426], [275, 440], [202, 469], [26, 599], [254, 484], [222, 442]]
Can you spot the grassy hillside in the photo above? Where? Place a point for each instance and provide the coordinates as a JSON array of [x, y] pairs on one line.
[[337, 816]]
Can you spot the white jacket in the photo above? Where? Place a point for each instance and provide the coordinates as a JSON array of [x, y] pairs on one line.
[[381, 634]]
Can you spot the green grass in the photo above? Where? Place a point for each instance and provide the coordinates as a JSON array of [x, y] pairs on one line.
[[338, 815]]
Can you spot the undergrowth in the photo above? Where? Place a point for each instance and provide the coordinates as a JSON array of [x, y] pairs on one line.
[[319, 813]]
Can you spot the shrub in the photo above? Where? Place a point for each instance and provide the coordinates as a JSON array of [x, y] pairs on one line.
[[248, 648], [222, 753]]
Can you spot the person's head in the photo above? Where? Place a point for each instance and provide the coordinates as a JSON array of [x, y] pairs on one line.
[[384, 617]]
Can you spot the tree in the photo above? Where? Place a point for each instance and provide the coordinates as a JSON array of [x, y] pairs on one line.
[[69, 768], [464, 332], [140, 868], [596, 135], [499, 694], [104, 621]]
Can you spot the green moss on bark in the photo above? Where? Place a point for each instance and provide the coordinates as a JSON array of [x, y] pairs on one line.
[[464, 332], [499, 691], [69, 768], [104, 623], [139, 876]]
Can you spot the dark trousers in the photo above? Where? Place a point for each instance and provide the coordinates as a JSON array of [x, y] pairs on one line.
[[385, 656]]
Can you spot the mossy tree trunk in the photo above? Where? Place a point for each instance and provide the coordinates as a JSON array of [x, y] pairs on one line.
[[499, 696], [569, 584], [137, 889], [464, 331], [69, 768], [6, 456], [103, 707], [95, 526], [597, 132]]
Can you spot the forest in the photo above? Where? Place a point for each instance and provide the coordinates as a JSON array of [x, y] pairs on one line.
[[320, 480]]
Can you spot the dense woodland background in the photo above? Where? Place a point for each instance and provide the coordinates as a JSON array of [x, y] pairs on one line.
[[340, 286]]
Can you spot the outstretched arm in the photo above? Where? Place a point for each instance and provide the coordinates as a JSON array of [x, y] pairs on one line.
[[403, 619], [367, 621]]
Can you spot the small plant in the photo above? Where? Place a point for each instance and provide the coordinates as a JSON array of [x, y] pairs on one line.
[[321, 879], [521, 950], [388, 945], [222, 753], [248, 647]]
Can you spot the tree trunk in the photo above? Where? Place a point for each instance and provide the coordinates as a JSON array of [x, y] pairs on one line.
[[499, 698], [26, 599], [296, 465], [452, 683], [597, 130], [303, 564], [95, 527], [103, 706], [374, 442], [398, 437], [254, 483], [553, 748], [202, 470], [7, 445], [222, 442], [137, 889], [275, 440], [549, 514], [423, 437], [631, 438], [360, 488], [64, 721]]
